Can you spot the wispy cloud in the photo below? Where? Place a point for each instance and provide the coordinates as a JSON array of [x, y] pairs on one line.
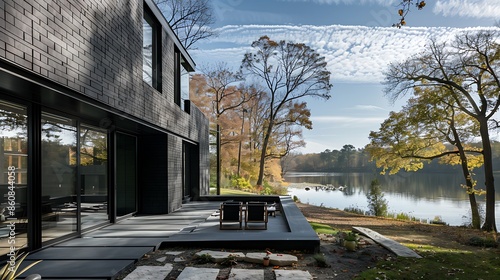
[[468, 8], [348, 2], [353, 53], [369, 108], [347, 120]]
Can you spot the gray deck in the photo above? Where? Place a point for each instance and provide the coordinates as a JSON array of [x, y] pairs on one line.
[[104, 253]]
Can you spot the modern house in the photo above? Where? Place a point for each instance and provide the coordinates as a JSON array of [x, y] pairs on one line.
[[95, 121]]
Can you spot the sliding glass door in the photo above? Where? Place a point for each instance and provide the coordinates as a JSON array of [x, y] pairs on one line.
[[59, 191], [93, 176]]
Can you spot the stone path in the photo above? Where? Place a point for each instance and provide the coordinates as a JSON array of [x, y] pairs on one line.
[[202, 273], [197, 273]]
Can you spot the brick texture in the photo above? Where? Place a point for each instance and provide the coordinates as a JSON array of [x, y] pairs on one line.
[[94, 47]]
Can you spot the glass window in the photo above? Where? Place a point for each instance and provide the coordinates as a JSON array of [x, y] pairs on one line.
[[13, 179], [147, 52], [181, 85], [151, 51], [93, 176], [59, 162], [184, 85]]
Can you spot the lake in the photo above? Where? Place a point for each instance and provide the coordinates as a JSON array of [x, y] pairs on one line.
[[420, 195]]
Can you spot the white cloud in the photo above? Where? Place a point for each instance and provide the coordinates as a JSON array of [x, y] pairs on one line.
[[347, 120], [369, 108], [354, 53], [468, 8], [348, 2]]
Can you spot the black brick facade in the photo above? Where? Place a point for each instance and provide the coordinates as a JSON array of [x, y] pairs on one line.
[[93, 49]]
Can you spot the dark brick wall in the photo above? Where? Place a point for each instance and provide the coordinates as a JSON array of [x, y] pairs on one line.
[[174, 174], [94, 47]]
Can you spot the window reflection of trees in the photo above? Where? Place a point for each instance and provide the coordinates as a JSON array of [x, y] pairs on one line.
[[13, 153]]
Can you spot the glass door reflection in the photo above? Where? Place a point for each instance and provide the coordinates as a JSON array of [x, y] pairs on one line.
[[59, 162], [93, 176], [13, 177]]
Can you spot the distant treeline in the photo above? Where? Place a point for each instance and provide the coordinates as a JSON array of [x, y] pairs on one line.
[[350, 159]]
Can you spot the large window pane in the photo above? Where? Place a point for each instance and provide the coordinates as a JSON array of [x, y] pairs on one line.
[[147, 52], [184, 84], [59, 161], [93, 176], [13, 176]]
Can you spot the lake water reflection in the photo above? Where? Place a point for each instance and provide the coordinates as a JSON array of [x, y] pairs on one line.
[[423, 196]]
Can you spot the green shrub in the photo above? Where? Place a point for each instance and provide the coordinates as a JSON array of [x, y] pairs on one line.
[[204, 258], [320, 260], [377, 204], [482, 242], [267, 189], [438, 221], [355, 210], [240, 183]]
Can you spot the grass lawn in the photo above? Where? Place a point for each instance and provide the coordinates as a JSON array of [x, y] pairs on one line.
[[224, 191], [439, 263], [322, 228], [469, 262]]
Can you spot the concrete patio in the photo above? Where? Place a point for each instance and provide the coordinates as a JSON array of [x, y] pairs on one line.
[[104, 253]]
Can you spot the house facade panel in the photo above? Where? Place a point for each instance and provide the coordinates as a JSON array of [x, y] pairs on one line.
[[87, 136]]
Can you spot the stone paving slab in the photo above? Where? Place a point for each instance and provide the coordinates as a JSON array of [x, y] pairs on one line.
[[274, 259], [150, 272], [195, 273], [173, 253], [219, 256], [90, 253], [246, 274], [391, 245], [292, 274], [75, 269]]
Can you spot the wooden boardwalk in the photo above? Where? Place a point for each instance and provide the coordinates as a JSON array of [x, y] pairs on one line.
[[391, 245]]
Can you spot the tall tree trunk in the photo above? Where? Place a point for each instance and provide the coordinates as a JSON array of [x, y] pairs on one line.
[[489, 221], [476, 220], [260, 179]]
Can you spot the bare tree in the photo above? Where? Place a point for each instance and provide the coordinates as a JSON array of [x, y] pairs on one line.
[[190, 19], [289, 71]]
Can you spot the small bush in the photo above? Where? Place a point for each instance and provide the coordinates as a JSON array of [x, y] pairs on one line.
[[240, 183], [204, 258], [231, 260], [320, 260], [438, 221], [402, 216], [377, 204], [355, 210], [296, 198], [482, 242]]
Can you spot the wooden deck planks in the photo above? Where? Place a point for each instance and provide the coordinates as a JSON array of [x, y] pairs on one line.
[[391, 245]]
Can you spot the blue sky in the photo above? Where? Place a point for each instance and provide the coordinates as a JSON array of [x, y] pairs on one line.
[[357, 41]]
